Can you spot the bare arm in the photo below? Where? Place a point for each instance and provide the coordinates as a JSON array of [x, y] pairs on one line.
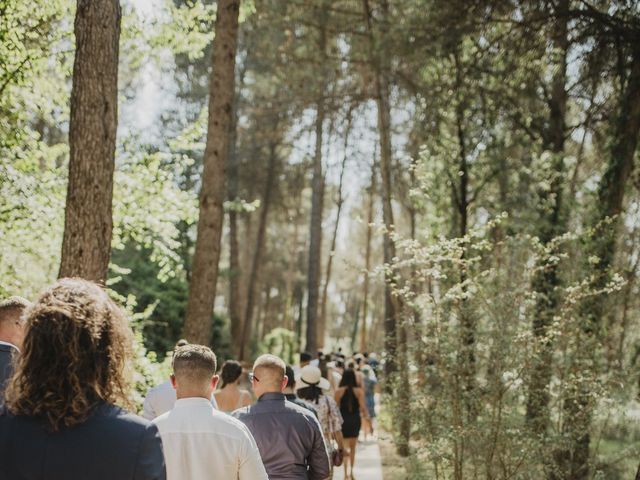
[[361, 403]]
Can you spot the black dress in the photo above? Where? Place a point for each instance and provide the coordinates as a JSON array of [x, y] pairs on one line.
[[350, 410]]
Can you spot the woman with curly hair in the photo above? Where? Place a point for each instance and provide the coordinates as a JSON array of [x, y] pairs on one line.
[[230, 396], [60, 420]]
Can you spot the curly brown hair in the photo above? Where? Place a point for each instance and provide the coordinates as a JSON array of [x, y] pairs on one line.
[[75, 352]]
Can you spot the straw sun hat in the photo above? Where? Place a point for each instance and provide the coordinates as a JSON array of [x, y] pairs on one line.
[[311, 376]]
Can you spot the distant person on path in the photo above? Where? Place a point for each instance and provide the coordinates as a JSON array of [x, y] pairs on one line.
[[352, 404], [311, 388], [370, 382], [230, 396], [288, 436], [200, 442], [60, 421], [161, 398], [11, 337], [290, 394], [305, 359]]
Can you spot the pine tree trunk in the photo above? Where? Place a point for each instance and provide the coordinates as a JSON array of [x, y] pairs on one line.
[[256, 262], [546, 281], [322, 323], [381, 67], [235, 270], [88, 223], [202, 289], [367, 259], [315, 236]]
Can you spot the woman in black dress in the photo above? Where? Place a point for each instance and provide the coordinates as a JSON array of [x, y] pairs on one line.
[[350, 398]]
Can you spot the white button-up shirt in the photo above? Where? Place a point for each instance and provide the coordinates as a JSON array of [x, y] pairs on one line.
[[160, 399], [201, 443]]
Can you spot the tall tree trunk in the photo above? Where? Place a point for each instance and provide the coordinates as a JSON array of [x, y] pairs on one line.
[[323, 304], [546, 281], [235, 270], [258, 252], [317, 203], [367, 259], [381, 67], [573, 462], [88, 222], [202, 289], [467, 352]]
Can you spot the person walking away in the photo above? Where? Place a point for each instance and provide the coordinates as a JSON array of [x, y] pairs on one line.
[[352, 404], [311, 389], [11, 337], [290, 394], [230, 396], [61, 420], [288, 436], [201, 442], [370, 382], [161, 398]]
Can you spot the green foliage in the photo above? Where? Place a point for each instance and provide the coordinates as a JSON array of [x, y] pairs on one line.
[[280, 342]]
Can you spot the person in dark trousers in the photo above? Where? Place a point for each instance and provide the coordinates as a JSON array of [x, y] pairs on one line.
[[289, 437], [60, 420], [11, 337]]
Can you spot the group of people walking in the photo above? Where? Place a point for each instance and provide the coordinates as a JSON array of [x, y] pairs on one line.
[[64, 379]]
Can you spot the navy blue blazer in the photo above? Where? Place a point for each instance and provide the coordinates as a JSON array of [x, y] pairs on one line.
[[110, 445]]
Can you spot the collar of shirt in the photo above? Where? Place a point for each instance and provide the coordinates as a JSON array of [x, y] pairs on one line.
[[192, 402], [271, 396], [10, 345]]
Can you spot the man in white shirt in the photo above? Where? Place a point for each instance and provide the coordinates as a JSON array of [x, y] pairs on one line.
[[199, 442], [11, 337], [161, 398]]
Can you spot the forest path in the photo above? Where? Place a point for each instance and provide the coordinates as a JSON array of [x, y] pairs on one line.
[[368, 464]]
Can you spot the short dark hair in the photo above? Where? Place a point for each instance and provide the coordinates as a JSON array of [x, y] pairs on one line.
[[291, 381], [13, 307], [305, 357], [194, 362]]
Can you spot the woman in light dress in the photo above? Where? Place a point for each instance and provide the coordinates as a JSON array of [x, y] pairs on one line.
[[230, 397]]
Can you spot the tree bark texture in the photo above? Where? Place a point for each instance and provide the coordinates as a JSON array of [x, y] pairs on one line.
[[202, 289], [88, 222]]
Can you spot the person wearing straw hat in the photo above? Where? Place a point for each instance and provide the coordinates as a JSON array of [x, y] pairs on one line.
[[312, 388]]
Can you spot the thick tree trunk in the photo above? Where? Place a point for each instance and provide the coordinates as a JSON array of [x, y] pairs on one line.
[[573, 463], [546, 281], [256, 262], [202, 289], [322, 323], [88, 223]]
